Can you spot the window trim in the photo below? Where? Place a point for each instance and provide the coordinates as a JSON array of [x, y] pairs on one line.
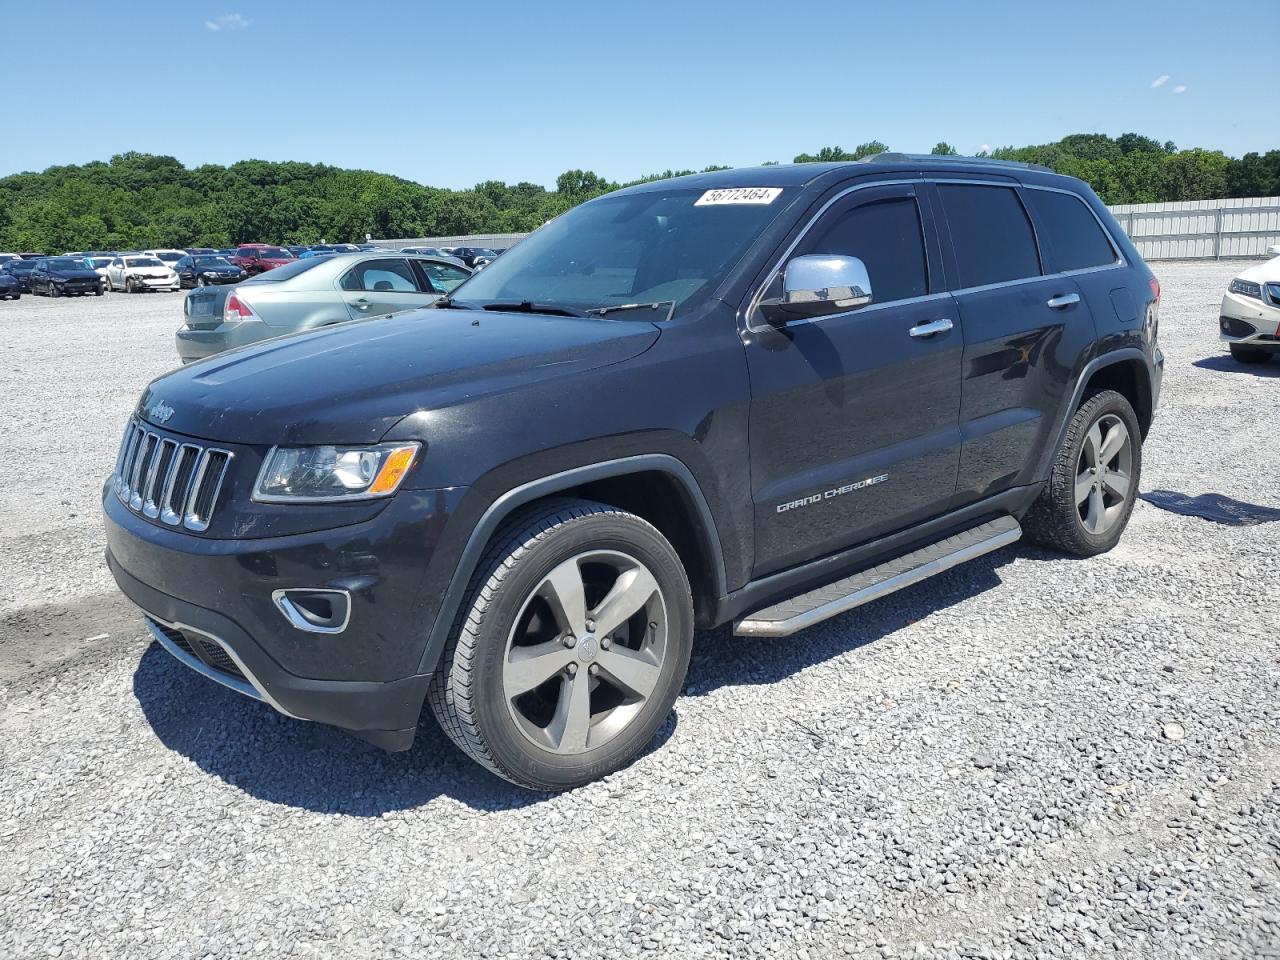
[[362, 264]]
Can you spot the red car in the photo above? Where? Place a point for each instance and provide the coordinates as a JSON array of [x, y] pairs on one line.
[[254, 258]]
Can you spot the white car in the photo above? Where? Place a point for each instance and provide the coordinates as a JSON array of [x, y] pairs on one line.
[[1250, 315], [138, 272], [170, 257], [98, 265]]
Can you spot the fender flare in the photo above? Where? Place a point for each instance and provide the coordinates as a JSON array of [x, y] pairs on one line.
[[527, 492]]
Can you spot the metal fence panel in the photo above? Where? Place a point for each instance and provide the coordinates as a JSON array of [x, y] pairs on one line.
[[1191, 230]]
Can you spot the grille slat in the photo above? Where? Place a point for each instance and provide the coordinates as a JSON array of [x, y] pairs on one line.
[[163, 478]]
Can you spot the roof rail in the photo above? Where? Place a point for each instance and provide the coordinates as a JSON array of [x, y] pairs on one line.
[[888, 157]]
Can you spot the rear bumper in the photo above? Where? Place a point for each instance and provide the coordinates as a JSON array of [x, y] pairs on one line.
[[197, 344]]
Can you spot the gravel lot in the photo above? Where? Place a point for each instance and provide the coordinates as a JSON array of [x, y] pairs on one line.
[[1030, 756]]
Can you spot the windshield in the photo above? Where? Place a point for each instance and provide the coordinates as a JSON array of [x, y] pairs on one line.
[[96, 262], [288, 270], [143, 262], [275, 253], [212, 262], [643, 247], [66, 263], [21, 266]]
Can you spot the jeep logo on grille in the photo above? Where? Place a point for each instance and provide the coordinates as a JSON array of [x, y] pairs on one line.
[[160, 412]]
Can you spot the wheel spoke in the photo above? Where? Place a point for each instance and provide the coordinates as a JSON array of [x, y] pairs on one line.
[[1117, 481], [1093, 445], [563, 590], [530, 667], [631, 591], [633, 671], [1084, 484], [1117, 437], [1093, 518], [571, 724]]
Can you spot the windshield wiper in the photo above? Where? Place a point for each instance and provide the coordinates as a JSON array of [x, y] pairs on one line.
[[655, 305], [448, 303], [529, 306]]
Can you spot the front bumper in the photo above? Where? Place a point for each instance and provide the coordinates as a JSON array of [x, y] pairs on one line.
[[210, 603], [1246, 320]]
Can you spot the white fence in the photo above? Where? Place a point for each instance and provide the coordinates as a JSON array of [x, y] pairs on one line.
[[1202, 229], [1191, 230]]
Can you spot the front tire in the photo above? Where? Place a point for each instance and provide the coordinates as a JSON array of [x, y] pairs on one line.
[[570, 647], [1093, 483], [1242, 354]]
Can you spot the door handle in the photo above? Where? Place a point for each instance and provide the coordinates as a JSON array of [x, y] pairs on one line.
[[362, 304], [1066, 300], [930, 328]]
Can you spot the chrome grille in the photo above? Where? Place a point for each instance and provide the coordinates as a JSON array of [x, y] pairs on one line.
[[165, 479]]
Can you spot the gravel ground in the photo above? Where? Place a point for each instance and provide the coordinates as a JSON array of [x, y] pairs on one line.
[[1029, 756]]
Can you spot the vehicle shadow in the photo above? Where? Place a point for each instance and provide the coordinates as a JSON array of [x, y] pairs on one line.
[[248, 745], [722, 659], [1225, 363]]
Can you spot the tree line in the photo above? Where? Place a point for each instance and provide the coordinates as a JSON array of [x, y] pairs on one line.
[[138, 200]]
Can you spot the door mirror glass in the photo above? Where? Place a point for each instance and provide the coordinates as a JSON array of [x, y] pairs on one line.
[[818, 284]]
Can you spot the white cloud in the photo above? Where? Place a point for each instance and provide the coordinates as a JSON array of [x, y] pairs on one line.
[[1180, 88], [1160, 81], [228, 21], [984, 148]]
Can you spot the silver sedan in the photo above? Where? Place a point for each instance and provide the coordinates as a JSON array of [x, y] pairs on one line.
[[311, 293]]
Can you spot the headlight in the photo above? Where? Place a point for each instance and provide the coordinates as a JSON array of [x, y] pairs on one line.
[[1246, 288], [309, 474]]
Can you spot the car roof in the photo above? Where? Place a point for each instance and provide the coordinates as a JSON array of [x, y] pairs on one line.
[[804, 174]]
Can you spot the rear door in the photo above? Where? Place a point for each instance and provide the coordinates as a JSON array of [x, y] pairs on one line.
[[383, 285], [853, 423], [1024, 332]]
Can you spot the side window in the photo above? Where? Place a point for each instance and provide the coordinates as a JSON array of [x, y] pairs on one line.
[[380, 276], [1073, 239], [886, 236], [991, 234], [442, 276]]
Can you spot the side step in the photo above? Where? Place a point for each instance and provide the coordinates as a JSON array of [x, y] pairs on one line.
[[785, 618]]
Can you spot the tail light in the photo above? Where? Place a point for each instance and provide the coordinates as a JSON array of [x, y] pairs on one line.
[[236, 309], [1155, 288]]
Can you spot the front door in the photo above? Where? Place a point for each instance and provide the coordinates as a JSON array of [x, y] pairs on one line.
[[854, 417], [382, 285]]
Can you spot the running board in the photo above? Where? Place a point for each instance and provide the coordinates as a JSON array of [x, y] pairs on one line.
[[785, 618]]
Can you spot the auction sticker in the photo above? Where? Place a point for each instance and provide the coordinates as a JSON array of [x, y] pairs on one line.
[[738, 195]]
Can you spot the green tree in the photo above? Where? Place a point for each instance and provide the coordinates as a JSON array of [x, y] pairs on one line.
[[944, 149]]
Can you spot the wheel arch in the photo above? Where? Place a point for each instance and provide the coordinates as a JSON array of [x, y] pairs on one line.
[[657, 487], [1127, 377]]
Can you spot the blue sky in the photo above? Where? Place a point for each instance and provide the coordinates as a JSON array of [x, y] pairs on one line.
[[453, 94]]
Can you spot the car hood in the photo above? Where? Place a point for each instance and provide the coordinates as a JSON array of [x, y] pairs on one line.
[[1268, 272], [353, 382]]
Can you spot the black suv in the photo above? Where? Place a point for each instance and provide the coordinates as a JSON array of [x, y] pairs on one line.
[[759, 397]]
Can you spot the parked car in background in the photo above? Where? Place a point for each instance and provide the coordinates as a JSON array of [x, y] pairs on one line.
[[295, 249], [307, 294], [9, 289], [20, 270], [138, 272], [346, 248], [32, 255], [65, 277], [474, 256], [196, 251], [168, 257], [206, 270], [309, 254], [6, 257], [99, 265], [254, 258], [1249, 319]]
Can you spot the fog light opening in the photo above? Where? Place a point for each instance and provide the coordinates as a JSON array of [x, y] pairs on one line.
[[314, 610]]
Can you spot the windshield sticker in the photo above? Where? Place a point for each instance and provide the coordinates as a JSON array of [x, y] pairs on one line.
[[738, 195]]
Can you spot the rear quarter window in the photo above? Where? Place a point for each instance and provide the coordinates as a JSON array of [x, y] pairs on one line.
[[990, 233], [1071, 237]]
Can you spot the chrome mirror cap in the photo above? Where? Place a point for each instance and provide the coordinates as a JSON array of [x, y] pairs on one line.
[[820, 283]]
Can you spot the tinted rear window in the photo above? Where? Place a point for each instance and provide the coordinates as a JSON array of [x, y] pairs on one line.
[[1072, 238], [991, 234]]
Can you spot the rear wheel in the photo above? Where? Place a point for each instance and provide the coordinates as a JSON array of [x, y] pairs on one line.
[[1085, 505], [1243, 354], [570, 647]]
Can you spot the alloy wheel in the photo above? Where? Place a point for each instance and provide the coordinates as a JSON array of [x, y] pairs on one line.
[[586, 652], [1104, 474]]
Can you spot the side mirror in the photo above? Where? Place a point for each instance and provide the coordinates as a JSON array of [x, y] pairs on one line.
[[818, 284]]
